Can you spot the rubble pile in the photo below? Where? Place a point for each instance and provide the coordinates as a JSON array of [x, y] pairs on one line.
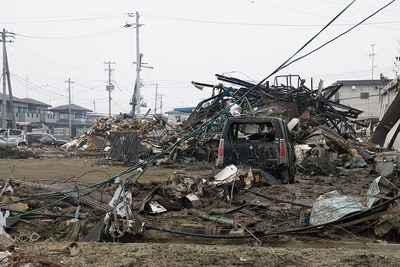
[[98, 135], [307, 111], [235, 201], [13, 153], [218, 205]]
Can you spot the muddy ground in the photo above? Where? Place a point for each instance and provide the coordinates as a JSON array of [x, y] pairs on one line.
[[281, 209]]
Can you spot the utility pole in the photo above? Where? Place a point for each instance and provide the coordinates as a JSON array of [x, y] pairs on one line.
[[138, 67], [110, 86], [13, 123], [94, 106], [6, 75], [136, 94], [69, 107], [161, 103], [372, 55], [4, 103], [155, 100]]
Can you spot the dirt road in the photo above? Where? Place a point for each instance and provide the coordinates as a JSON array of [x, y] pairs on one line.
[[87, 169], [296, 254], [314, 250]]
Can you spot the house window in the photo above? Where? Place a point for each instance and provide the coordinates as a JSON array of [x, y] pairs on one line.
[[364, 95], [63, 116], [79, 116]]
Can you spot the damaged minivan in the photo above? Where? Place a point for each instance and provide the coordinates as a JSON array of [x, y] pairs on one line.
[[259, 142]]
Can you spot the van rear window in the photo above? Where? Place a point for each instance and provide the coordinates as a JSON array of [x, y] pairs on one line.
[[253, 131]]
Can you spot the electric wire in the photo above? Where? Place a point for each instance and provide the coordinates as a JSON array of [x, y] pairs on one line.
[[147, 163], [74, 19], [340, 35], [34, 54], [77, 37], [262, 24]]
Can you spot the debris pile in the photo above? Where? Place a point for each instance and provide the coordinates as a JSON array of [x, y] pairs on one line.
[[14, 153], [235, 201], [223, 204], [97, 137], [327, 127]]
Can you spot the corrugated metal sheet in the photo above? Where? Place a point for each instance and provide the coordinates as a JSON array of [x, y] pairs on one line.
[[392, 137], [391, 116]]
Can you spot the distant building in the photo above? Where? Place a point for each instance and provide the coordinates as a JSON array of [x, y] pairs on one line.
[[388, 94], [178, 115], [27, 111], [79, 120], [362, 94], [387, 132]]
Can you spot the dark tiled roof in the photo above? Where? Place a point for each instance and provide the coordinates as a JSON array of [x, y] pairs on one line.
[[362, 82], [73, 107], [33, 101], [25, 100]]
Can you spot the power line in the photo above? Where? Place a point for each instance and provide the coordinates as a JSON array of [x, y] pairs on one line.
[[76, 37], [35, 87], [263, 24], [45, 59], [72, 19]]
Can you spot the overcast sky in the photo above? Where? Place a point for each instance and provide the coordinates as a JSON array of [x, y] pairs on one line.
[[188, 40]]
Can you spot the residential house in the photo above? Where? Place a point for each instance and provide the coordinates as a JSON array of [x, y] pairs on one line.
[[388, 94], [33, 115], [178, 115], [362, 94], [387, 132], [78, 117], [27, 110]]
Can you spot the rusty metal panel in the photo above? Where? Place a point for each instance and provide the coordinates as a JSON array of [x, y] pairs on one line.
[[124, 146]]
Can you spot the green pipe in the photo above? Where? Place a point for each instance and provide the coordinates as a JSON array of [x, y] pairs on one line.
[[221, 220]]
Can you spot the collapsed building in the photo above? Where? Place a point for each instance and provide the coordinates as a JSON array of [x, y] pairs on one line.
[[288, 98], [232, 202]]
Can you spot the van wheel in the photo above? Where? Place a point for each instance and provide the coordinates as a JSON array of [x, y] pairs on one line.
[[286, 176], [22, 145]]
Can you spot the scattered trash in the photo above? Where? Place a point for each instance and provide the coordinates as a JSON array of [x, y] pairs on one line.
[[256, 138]]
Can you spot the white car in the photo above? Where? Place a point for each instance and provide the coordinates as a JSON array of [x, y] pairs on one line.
[[12, 138]]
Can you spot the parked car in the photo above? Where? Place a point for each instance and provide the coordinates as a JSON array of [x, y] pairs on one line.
[[3, 142], [261, 142], [12, 138], [43, 139]]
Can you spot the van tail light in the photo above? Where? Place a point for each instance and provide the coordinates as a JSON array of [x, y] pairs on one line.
[[220, 160], [282, 151]]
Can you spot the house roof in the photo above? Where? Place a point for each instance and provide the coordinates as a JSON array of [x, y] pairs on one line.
[[362, 82], [73, 107], [33, 101], [186, 110], [25, 100]]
